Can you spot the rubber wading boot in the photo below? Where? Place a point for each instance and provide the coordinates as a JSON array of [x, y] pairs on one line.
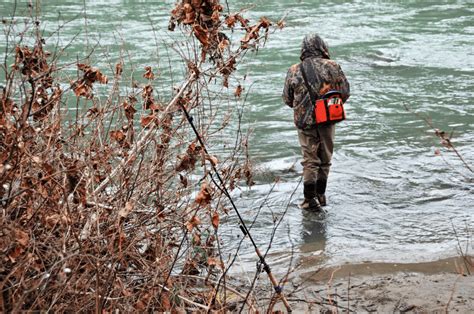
[[310, 200], [322, 199], [320, 191], [311, 204]]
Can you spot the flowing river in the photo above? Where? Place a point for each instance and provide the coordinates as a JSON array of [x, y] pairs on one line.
[[391, 197]]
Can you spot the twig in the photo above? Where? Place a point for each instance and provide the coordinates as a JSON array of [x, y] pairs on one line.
[[225, 287], [138, 147], [329, 284], [199, 305], [446, 141], [464, 256], [348, 291], [451, 295]]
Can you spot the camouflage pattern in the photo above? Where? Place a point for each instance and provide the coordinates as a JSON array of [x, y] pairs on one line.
[[323, 75]]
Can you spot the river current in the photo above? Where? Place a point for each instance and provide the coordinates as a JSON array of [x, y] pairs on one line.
[[391, 197]]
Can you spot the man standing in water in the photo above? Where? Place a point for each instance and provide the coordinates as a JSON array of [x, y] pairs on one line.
[[323, 75]]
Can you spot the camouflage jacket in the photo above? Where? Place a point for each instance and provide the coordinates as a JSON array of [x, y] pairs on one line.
[[323, 75]]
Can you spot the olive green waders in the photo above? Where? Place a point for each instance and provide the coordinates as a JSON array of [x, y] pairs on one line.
[[317, 147]]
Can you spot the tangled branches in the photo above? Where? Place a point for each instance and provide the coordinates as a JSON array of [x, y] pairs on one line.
[[114, 209], [204, 18]]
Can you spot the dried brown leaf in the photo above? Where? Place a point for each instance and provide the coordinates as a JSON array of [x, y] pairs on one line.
[[15, 253], [194, 222], [215, 16], [102, 78], [147, 120], [149, 73], [248, 174], [215, 219], [204, 196], [189, 13], [22, 237], [165, 301], [238, 91], [147, 91], [125, 211], [196, 239], [183, 180], [265, 22], [155, 107], [186, 162], [93, 111], [117, 135], [243, 21], [81, 89], [83, 67], [118, 69], [252, 32], [201, 34], [281, 24], [132, 99], [214, 261], [129, 110], [223, 44], [230, 21], [212, 159]]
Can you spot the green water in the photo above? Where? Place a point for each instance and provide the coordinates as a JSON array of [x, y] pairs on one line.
[[391, 198]]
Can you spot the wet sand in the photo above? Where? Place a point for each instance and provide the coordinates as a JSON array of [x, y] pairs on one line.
[[433, 287]]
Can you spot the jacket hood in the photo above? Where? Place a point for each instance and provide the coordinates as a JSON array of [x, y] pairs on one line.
[[314, 46]]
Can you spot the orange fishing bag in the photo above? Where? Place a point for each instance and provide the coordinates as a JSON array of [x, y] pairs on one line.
[[330, 108]]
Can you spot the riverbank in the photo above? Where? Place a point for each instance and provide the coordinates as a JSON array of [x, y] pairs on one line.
[[433, 287]]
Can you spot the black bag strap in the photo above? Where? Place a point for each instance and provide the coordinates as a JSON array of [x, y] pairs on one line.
[[308, 87]]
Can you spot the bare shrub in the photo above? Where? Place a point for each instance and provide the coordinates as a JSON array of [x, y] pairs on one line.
[[114, 206]]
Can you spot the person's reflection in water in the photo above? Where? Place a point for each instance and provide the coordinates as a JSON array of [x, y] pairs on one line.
[[313, 232]]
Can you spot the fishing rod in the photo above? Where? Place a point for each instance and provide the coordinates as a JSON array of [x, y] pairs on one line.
[[243, 227]]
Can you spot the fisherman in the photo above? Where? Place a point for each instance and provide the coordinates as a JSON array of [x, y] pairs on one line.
[[322, 75]]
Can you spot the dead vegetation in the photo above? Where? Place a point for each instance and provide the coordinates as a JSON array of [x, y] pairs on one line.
[[114, 207]]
